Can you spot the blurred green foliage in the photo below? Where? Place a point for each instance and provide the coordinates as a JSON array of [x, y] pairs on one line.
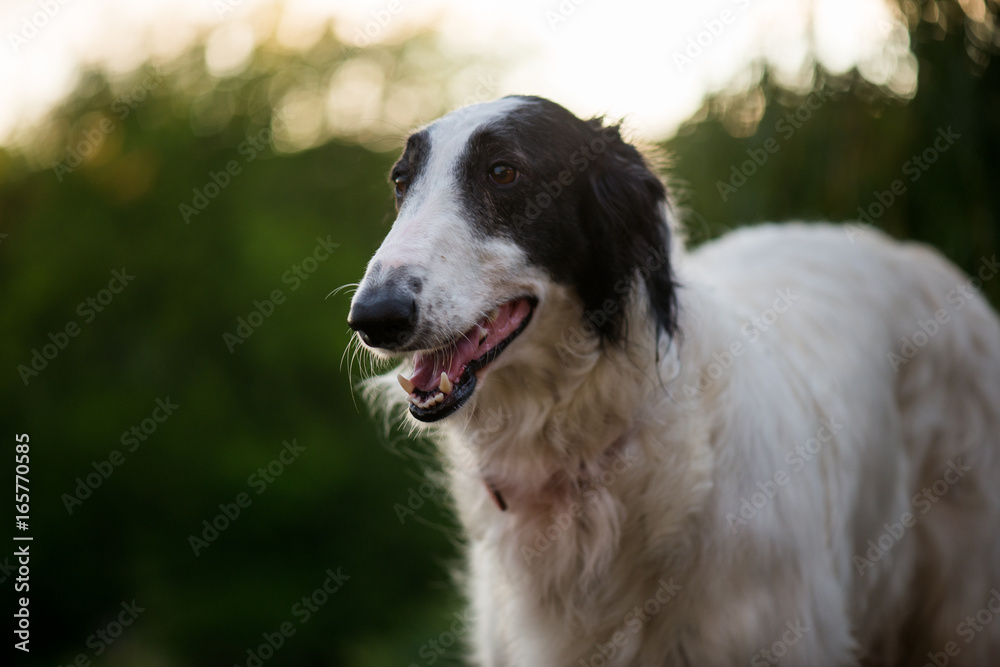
[[834, 153], [335, 505], [161, 337]]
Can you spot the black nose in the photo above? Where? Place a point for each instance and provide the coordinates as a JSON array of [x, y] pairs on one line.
[[385, 316]]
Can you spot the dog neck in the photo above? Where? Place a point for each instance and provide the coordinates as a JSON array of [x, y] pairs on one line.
[[588, 476], [542, 429], [570, 444]]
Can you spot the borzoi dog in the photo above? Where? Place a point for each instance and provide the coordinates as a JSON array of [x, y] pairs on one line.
[[781, 448]]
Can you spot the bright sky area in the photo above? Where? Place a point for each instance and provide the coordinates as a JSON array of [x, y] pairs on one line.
[[647, 60]]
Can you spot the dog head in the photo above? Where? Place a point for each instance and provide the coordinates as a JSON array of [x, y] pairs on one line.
[[498, 204]]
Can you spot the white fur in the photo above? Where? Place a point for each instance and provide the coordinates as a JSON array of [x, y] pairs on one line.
[[624, 479], [431, 233]]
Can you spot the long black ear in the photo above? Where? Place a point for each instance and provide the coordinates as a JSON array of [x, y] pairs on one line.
[[624, 224]]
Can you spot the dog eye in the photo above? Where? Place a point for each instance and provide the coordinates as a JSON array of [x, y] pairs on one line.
[[402, 181], [502, 174]]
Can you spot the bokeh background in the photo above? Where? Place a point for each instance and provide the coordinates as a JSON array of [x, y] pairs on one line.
[[219, 150]]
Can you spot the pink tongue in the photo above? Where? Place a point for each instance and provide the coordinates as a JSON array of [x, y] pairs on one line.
[[428, 366]]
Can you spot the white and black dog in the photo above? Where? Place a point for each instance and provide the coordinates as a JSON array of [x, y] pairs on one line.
[[783, 447]]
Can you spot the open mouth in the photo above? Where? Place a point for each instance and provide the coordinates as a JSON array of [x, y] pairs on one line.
[[444, 379]]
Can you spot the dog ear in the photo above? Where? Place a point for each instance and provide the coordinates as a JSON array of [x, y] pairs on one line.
[[623, 219]]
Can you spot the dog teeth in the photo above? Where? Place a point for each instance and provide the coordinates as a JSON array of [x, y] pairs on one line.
[[430, 402], [405, 384], [494, 314], [445, 383], [483, 333]]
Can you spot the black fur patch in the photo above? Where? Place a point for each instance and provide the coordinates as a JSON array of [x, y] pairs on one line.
[[411, 164], [585, 206]]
